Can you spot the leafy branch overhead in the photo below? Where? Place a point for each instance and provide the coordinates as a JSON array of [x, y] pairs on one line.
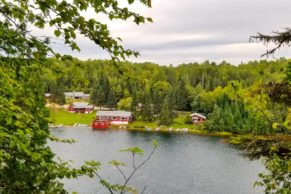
[[27, 164], [20, 16]]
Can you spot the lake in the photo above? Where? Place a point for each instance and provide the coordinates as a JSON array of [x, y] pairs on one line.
[[182, 164]]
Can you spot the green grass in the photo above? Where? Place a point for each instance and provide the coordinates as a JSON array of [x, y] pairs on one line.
[[62, 116], [179, 122], [142, 124]]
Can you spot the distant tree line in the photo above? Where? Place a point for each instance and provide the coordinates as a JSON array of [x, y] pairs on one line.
[[234, 98]]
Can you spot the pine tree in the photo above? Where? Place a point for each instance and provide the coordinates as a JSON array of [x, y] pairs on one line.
[[181, 96], [166, 116], [58, 92], [100, 91], [97, 96], [111, 100], [147, 108], [106, 87]]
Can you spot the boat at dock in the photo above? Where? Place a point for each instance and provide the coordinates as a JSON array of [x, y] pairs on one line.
[[100, 124], [104, 119]]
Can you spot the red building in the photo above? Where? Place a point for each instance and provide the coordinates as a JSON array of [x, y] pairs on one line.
[[100, 124], [81, 107], [105, 118], [115, 117], [197, 118]]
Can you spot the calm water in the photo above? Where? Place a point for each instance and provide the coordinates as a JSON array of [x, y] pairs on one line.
[[182, 164]]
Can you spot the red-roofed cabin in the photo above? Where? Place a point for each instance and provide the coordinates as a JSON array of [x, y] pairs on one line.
[[105, 118], [115, 117], [197, 118], [81, 107]]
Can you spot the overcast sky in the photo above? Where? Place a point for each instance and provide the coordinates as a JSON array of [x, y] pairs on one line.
[[197, 30]]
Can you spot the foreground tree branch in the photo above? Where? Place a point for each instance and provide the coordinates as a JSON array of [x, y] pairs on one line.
[[27, 164], [280, 39], [123, 188]]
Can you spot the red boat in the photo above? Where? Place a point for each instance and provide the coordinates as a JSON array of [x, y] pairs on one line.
[[100, 124]]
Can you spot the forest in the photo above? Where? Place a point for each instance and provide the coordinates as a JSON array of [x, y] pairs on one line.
[[249, 98], [252, 98]]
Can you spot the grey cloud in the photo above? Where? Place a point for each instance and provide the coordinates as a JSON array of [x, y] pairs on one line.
[[229, 23], [186, 43]]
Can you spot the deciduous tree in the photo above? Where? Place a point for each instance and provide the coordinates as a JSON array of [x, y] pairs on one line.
[[27, 164]]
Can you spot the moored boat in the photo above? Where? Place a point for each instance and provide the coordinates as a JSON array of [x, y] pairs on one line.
[[105, 118], [100, 124]]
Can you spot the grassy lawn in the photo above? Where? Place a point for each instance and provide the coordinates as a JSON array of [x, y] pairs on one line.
[[142, 124], [179, 122], [62, 116]]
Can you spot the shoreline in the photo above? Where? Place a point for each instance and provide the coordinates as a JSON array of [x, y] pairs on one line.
[[162, 129], [226, 135]]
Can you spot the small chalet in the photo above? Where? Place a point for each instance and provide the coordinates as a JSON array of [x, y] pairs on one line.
[[81, 107], [115, 117], [197, 118], [76, 95]]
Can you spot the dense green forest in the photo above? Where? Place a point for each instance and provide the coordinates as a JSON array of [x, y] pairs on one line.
[[240, 99], [250, 98]]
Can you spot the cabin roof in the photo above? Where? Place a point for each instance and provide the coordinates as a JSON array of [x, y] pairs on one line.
[[74, 94], [198, 115], [116, 113], [82, 105]]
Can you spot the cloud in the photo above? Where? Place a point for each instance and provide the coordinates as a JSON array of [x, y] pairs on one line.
[[187, 31]]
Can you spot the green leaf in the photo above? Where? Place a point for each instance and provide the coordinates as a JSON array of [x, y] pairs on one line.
[[155, 143], [130, 1], [57, 33], [116, 163], [150, 20], [134, 150], [275, 125]]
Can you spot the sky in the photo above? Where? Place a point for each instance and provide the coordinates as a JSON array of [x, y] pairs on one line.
[[187, 31]]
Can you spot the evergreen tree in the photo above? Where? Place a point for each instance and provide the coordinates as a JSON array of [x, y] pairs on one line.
[[111, 100], [181, 96], [97, 96], [58, 92], [100, 92], [134, 103], [166, 116], [104, 82], [147, 108]]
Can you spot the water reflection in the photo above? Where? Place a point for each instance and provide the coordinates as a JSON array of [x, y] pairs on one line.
[[182, 164]]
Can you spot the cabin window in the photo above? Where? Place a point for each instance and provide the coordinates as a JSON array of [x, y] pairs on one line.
[[195, 119], [113, 118], [122, 118]]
